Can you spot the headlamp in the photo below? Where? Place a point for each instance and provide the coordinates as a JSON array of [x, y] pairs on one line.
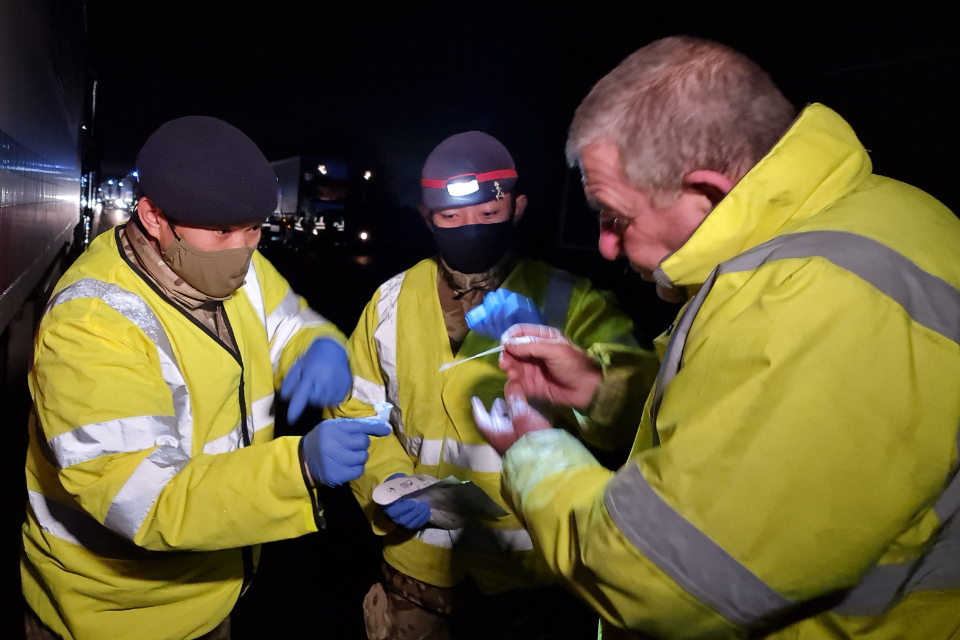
[[463, 188], [465, 184]]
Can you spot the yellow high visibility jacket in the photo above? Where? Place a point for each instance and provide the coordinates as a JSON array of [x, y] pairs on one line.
[[396, 352], [795, 471], [152, 469]]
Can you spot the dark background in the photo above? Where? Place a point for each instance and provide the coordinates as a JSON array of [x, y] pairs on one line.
[[382, 84]]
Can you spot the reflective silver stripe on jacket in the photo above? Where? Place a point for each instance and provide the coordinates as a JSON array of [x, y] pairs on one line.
[[58, 520], [385, 337], [694, 561], [285, 321], [136, 310], [477, 538], [261, 416], [556, 304], [135, 499], [123, 435], [473, 457], [368, 392], [939, 568], [72, 525], [251, 286], [428, 450]]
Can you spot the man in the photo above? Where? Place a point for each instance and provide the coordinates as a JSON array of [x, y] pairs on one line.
[[415, 323], [795, 471], [152, 471]]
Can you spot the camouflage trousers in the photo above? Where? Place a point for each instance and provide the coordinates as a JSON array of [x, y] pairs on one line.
[[402, 608]]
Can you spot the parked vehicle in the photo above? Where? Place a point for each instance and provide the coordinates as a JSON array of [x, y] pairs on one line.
[[46, 118], [320, 202]]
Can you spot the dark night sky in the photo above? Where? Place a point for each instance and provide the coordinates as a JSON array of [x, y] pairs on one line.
[[384, 83]]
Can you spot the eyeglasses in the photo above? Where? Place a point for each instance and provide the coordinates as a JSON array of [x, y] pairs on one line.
[[612, 222]]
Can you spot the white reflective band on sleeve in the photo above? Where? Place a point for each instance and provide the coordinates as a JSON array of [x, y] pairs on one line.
[[251, 287], [884, 585], [938, 569], [261, 416], [139, 493], [287, 326], [123, 435], [385, 337], [474, 457], [49, 522], [368, 392], [430, 452], [481, 539], [695, 562], [136, 310], [556, 306], [72, 525], [288, 307]]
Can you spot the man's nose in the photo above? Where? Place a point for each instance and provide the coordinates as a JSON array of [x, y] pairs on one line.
[[610, 245], [238, 240]]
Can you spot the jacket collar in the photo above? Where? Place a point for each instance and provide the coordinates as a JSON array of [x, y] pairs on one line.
[[817, 160]]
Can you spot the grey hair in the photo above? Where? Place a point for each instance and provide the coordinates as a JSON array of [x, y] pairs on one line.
[[680, 104]]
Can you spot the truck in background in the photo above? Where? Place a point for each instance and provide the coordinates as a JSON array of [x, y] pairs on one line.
[[321, 202], [46, 121]]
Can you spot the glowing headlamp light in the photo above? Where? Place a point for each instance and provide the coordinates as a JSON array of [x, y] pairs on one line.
[[464, 185], [463, 188]]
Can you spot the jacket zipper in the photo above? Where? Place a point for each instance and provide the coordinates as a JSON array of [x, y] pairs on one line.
[[246, 553]]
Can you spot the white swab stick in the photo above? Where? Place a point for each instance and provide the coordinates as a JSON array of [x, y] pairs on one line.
[[450, 365]]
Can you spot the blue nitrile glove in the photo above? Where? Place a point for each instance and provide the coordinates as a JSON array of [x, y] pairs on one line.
[[320, 377], [336, 450], [409, 513], [500, 310]]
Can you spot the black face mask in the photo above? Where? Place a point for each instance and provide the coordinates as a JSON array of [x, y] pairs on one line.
[[474, 248]]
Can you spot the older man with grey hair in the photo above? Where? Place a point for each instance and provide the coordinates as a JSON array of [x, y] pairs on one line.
[[795, 471]]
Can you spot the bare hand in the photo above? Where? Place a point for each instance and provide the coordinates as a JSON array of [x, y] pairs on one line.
[[507, 421], [545, 365]]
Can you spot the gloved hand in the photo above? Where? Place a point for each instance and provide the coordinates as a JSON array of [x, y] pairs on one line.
[[336, 450], [409, 513], [507, 422], [500, 310], [320, 378]]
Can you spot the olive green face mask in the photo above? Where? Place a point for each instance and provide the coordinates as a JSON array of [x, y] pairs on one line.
[[215, 273]]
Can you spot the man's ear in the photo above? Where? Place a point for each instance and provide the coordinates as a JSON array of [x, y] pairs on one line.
[[711, 184], [150, 216], [519, 206], [427, 216]]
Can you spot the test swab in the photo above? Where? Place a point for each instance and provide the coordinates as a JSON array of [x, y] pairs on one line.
[[450, 365], [520, 340]]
